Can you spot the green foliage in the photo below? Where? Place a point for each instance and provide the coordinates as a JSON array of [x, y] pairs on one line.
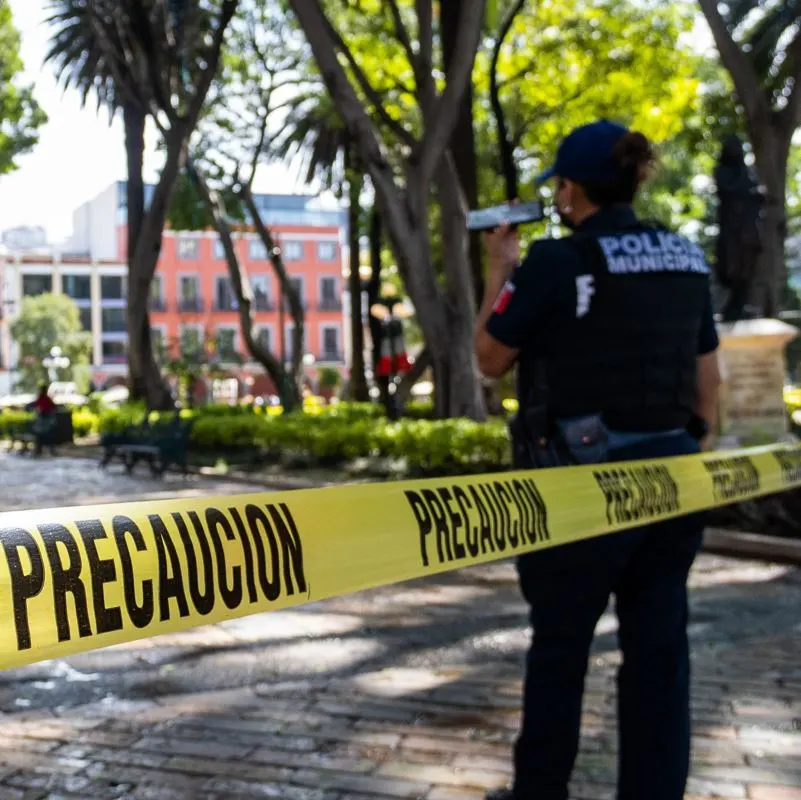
[[337, 434], [20, 114], [565, 64], [45, 322], [10, 419], [329, 378]]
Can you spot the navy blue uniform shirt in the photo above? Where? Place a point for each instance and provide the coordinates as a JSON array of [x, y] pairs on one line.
[[542, 291]]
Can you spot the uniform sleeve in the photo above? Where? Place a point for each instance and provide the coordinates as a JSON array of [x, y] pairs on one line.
[[708, 335], [526, 300]]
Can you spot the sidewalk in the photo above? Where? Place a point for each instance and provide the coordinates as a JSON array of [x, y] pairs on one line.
[[403, 692]]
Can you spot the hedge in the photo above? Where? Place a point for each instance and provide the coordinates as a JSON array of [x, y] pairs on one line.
[[336, 434]]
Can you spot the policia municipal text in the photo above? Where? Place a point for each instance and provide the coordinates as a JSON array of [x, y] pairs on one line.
[[612, 332]]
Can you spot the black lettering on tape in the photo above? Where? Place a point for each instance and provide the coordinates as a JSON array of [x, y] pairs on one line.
[[25, 585], [258, 522], [637, 494], [497, 534], [789, 462], [484, 522], [471, 531], [250, 574], [202, 601], [140, 615], [539, 511], [171, 585], [424, 522], [291, 547], [512, 525], [231, 594], [102, 571], [456, 522], [494, 517], [733, 478], [440, 524], [66, 580]]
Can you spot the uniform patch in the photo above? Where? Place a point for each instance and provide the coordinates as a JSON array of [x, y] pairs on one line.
[[654, 251], [504, 297]]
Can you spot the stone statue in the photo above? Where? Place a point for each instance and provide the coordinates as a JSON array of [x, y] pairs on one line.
[[739, 242]]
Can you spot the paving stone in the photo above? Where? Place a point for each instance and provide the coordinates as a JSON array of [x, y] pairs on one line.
[[758, 792]]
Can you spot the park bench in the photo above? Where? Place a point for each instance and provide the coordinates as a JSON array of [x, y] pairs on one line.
[[50, 431], [160, 444]]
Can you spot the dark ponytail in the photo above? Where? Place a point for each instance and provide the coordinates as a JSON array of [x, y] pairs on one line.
[[634, 157]]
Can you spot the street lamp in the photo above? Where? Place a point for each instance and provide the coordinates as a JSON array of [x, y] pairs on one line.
[[53, 362]]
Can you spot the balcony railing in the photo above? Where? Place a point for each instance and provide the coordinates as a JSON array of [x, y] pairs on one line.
[[329, 304], [225, 305], [331, 355], [114, 326], [189, 305], [157, 304]]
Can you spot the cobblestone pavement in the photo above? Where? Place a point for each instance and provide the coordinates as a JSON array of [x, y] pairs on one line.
[[404, 692]]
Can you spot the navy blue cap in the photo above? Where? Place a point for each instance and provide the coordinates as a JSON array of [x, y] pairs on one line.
[[586, 153]]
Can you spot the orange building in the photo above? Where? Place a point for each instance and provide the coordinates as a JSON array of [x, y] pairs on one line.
[[192, 301]]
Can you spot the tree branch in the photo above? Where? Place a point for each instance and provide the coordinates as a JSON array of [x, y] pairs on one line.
[[508, 166], [746, 82], [212, 60], [369, 90], [438, 132], [403, 35], [311, 18], [790, 115]]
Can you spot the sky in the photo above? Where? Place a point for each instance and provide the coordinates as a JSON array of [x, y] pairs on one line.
[[79, 154]]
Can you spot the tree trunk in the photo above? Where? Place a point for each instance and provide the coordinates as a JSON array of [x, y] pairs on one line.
[[463, 141], [445, 320], [145, 381], [373, 295], [288, 390], [287, 289], [359, 390], [772, 156]]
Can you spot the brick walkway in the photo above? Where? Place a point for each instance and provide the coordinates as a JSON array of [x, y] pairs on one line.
[[404, 692], [411, 692]]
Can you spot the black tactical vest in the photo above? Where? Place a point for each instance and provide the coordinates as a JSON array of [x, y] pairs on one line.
[[630, 352]]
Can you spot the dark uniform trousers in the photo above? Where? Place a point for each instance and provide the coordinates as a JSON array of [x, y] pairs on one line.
[[568, 589]]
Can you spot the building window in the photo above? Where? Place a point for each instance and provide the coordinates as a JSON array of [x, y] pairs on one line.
[[328, 294], [112, 287], [265, 339], [113, 352], [219, 250], [326, 251], [224, 294], [187, 248], [34, 285], [261, 293], [288, 341], [188, 293], [159, 343], [297, 284], [157, 294], [256, 250], [86, 318], [331, 344], [292, 251], [78, 287], [191, 344], [226, 344], [113, 320]]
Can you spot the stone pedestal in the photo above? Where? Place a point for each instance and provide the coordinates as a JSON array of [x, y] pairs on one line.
[[753, 367]]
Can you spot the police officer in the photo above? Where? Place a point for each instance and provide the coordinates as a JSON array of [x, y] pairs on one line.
[[613, 335]]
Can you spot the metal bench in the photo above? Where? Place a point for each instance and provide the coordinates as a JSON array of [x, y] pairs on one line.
[[161, 445], [50, 431]]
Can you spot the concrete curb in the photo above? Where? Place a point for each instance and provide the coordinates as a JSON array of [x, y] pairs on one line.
[[752, 546]]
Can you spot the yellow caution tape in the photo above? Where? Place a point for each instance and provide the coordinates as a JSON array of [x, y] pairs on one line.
[[76, 579]]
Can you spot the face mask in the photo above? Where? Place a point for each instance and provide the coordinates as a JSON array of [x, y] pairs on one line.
[[569, 224]]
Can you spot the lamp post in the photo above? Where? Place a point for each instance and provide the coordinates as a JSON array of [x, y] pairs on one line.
[[54, 362], [391, 310]]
